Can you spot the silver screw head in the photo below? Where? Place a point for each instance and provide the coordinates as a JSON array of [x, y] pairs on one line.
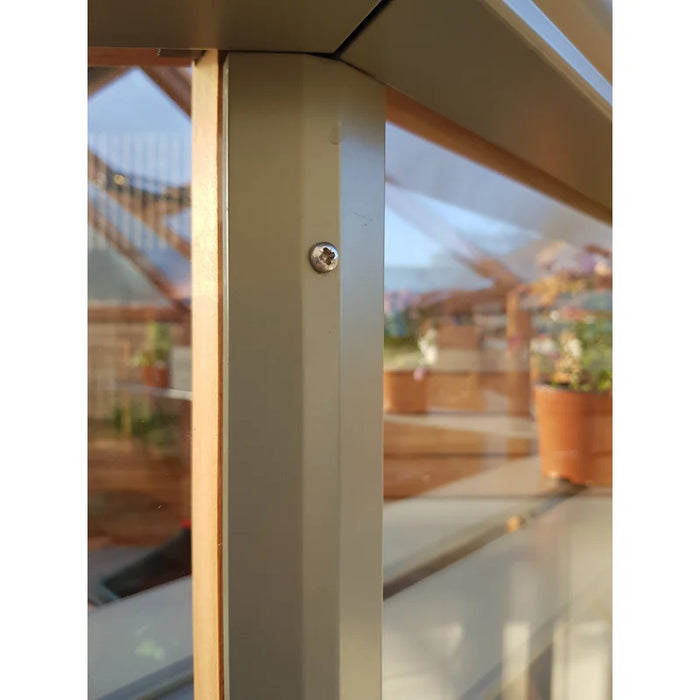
[[324, 257]]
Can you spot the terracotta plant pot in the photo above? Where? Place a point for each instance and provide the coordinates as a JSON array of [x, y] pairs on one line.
[[405, 393], [155, 376], [575, 434]]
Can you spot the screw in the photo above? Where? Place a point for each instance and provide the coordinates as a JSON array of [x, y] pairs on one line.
[[324, 257]]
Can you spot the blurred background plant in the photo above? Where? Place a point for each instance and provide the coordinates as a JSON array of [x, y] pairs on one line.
[[152, 426], [573, 304], [156, 348], [410, 334], [577, 354]]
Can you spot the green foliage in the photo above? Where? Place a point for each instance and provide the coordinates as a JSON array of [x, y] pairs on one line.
[[152, 426], [592, 370], [576, 348], [117, 417], [156, 349], [580, 355], [409, 339]]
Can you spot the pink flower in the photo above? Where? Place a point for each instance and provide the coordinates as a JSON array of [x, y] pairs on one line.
[[419, 374]]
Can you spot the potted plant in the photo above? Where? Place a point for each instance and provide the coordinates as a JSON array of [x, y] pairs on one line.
[[409, 349], [573, 397], [153, 357]]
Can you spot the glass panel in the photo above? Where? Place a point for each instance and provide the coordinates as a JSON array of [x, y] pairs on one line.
[[497, 436], [139, 386]]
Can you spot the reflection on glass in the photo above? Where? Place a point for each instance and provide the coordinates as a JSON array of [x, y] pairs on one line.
[[139, 385], [497, 436]]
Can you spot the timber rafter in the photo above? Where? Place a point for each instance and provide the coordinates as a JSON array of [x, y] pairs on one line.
[[147, 206], [135, 314], [175, 83]]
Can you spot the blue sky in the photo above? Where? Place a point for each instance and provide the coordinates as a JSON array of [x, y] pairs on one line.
[[136, 127], [134, 104]]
